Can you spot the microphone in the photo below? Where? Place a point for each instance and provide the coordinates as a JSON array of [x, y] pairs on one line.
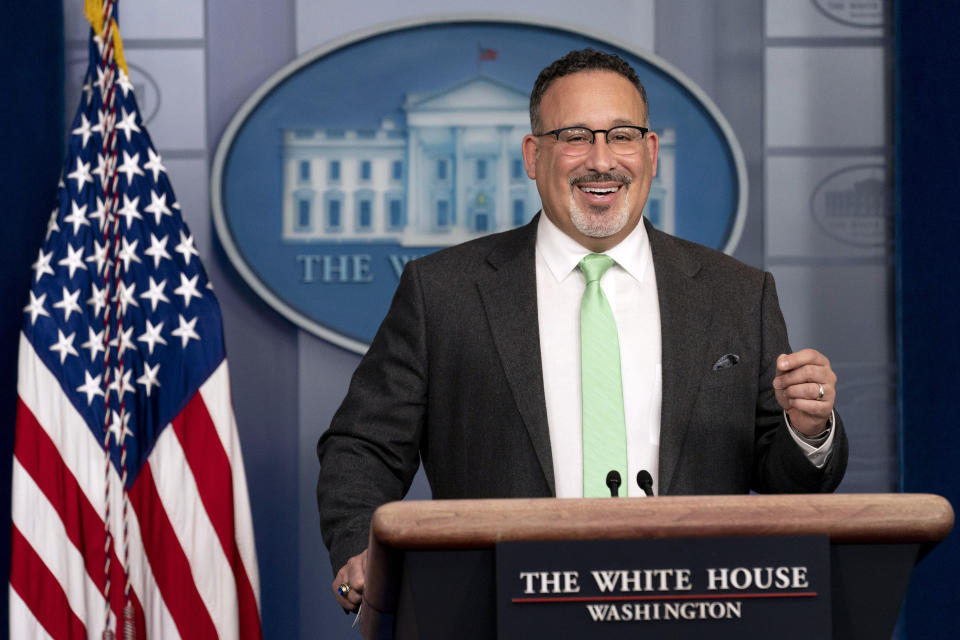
[[613, 481], [645, 481]]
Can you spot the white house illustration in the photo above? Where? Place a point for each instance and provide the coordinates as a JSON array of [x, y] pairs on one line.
[[864, 199], [454, 172]]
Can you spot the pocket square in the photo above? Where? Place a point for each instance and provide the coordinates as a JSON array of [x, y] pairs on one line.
[[726, 361]]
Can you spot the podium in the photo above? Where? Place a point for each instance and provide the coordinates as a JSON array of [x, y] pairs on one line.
[[431, 564]]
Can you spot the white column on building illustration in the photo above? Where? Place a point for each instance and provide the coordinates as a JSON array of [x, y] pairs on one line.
[[348, 210], [459, 175], [287, 204], [413, 181], [502, 212], [667, 175], [381, 170]]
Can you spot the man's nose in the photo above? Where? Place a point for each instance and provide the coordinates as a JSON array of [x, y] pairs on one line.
[[600, 157]]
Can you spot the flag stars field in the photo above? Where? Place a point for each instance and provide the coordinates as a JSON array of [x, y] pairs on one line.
[[157, 250], [77, 217], [68, 303], [81, 174], [188, 289], [130, 166], [123, 81], [186, 247], [97, 299], [158, 207], [36, 308], [94, 345], [129, 253], [130, 210], [64, 346], [124, 342], [42, 266], [52, 224], [83, 130], [91, 386], [99, 255], [186, 331], [99, 214], [149, 378], [118, 425], [73, 261], [129, 126], [126, 295], [155, 293], [120, 384], [154, 165], [101, 169], [152, 336]]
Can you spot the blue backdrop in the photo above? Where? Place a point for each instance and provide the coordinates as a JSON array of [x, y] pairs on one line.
[[927, 89], [31, 113]]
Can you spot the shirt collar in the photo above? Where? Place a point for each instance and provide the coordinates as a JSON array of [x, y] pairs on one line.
[[562, 253]]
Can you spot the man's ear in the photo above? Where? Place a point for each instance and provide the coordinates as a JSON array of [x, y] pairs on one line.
[[653, 148], [531, 150]]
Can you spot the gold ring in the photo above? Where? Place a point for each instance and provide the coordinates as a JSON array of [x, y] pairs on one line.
[[344, 589], [820, 392]]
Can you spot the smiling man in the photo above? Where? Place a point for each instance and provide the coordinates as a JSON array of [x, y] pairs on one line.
[[567, 357], [593, 192]]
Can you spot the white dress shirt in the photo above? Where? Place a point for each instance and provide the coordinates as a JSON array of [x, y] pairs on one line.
[[630, 286]]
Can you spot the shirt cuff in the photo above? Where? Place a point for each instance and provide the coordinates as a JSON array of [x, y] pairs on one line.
[[815, 450]]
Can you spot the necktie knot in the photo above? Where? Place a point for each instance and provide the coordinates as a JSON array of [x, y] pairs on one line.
[[595, 265]]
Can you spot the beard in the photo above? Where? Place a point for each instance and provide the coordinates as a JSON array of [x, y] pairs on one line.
[[602, 221]]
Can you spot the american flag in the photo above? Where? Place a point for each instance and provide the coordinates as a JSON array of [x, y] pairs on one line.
[[484, 53], [124, 413]]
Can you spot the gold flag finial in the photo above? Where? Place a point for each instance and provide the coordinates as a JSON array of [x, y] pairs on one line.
[[93, 9]]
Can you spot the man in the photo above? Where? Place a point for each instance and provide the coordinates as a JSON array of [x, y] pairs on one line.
[[476, 369]]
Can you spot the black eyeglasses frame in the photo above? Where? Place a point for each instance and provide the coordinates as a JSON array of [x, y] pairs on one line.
[[593, 132]]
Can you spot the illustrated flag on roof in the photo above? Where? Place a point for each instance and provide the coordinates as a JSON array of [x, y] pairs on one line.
[[130, 510], [484, 53]]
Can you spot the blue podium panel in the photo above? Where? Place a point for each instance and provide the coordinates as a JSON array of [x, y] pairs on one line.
[[677, 588]]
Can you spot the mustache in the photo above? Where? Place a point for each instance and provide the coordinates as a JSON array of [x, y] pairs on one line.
[[606, 176]]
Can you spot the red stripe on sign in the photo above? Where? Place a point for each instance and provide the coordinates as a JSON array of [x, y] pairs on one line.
[[39, 457], [687, 596], [213, 474], [40, 591], [170, 567]]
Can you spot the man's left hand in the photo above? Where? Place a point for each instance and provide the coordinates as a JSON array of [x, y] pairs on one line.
[[800, 378]]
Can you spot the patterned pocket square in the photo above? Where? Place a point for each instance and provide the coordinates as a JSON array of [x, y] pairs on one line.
[[726, 361]]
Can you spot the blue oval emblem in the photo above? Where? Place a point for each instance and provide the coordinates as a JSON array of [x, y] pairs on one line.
[[358, 157]]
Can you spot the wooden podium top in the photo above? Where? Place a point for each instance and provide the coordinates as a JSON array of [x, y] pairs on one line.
[[845, 518], [477, 524]]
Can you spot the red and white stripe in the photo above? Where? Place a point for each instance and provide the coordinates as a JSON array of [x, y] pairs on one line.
[[192, 561]]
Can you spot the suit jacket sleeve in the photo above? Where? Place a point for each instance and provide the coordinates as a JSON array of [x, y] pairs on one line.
[[780, 466], [370, 453]]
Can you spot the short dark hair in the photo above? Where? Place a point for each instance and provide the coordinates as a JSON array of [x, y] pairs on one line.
[[575, 62]]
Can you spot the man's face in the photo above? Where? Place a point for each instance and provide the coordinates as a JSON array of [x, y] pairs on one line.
[[597, 199]]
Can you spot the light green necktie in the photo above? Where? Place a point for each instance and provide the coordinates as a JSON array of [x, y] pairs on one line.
[[604, 428]]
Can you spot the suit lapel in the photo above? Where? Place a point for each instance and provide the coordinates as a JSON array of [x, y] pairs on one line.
[[509, 294], [684, 322]]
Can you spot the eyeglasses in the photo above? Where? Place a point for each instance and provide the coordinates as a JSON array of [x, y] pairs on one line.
[[576, 141]]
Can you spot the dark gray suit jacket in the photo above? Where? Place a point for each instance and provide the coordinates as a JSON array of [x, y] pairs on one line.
[[453, 377]]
